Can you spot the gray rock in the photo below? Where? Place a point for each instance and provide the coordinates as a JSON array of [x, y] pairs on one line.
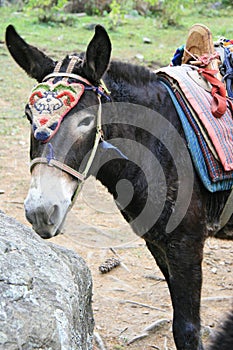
[[146, 40], [139, 57], [45, 293]]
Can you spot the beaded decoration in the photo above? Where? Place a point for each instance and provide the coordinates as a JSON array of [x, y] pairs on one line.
[[49, 103]]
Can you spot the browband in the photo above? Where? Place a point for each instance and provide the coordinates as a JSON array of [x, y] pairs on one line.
[[68, 75]]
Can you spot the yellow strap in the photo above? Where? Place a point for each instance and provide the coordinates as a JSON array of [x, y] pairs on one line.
[[105, 87]]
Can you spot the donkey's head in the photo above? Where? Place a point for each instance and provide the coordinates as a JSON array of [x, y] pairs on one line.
[[64, 112]]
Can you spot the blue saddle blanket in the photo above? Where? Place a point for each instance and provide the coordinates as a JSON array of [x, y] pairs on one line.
[[222, 180]]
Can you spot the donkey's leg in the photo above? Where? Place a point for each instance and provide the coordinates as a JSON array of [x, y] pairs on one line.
[[181, 265], [160, 259], [185, 289]]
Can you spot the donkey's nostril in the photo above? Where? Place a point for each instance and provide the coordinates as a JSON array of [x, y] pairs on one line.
[[40, 216], [53, 215], [30, 216]]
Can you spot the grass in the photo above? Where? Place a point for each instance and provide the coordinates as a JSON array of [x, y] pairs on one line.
[[12, 126], [127, 41]]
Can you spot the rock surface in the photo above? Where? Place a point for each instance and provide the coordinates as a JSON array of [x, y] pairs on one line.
[[45, 293]]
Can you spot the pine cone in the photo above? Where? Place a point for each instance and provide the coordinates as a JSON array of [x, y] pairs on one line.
[[109, 264]]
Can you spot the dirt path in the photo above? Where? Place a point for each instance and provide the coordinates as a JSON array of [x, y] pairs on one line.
[[134, 295]]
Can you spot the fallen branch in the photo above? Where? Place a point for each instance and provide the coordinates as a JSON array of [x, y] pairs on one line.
[[154, 327], [15, 202], [156, 278], [143, 305], [165, 344], [122, 264], [218, 298], [137, 337]]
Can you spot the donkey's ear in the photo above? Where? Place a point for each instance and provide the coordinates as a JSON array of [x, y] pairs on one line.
[[97, 55], [34, 62]]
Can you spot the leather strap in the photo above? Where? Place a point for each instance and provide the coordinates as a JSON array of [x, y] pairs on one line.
[[59, 165]]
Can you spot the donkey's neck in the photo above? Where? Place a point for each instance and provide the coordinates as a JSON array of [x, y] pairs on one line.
[[135, 119], [132, 83], [135, 87]]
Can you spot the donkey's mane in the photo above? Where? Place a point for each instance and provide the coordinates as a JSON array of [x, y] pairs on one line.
[[130, 73], [119, 71]]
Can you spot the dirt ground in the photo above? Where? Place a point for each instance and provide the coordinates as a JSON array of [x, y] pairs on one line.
[[134, 295]]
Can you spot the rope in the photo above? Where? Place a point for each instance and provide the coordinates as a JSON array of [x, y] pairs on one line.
[[218, 91], [203, 60]]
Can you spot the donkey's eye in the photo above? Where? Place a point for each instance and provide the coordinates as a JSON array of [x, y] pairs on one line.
[[86, 121]]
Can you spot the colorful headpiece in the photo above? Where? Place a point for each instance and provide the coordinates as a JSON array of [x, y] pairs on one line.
[[49, 104]]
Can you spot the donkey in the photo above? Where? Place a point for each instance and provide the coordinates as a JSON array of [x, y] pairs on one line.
[[132, 141]]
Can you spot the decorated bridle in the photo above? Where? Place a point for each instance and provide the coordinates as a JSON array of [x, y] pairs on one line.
[[51, 102]]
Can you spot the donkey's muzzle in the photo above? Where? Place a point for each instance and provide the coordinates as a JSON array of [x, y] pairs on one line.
[[45, 221], [49, 199]]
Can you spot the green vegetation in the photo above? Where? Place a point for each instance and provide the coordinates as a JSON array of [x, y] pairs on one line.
[[48, 11], [126, 28]]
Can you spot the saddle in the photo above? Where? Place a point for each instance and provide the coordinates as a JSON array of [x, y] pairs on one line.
[[213, 71], [199, 49], [214, 66]]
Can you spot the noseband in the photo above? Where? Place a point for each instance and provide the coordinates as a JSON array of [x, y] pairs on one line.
[[50, 158]]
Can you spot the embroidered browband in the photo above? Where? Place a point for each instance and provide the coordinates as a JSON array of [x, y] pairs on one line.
[[49, 103]]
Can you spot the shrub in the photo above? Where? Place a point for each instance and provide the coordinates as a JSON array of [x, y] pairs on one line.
[[47, 10]]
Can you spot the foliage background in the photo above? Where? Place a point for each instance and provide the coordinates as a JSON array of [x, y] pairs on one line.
[[142, 32], [169, 11]]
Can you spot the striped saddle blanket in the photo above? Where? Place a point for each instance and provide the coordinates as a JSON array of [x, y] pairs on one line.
[[210, 139]]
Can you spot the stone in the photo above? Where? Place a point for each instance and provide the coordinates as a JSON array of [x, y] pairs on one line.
[[139, 57], [45, 293], [146, 40]]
